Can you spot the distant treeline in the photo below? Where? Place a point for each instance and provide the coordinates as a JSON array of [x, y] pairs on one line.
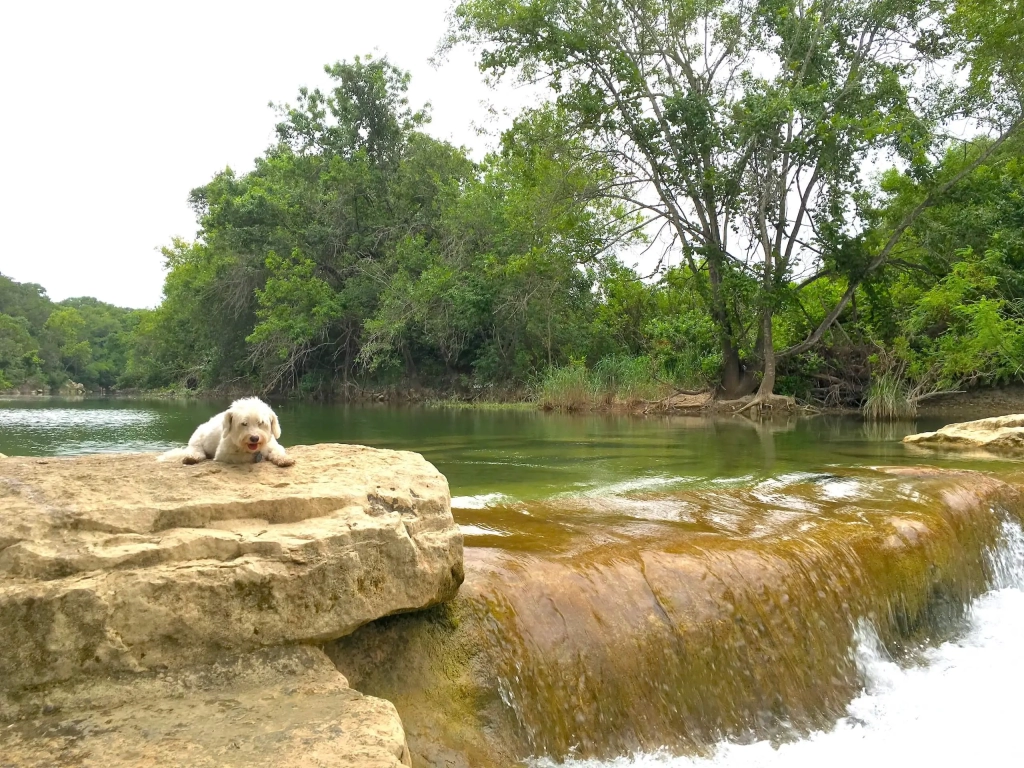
[[361, 253], [45, 346]]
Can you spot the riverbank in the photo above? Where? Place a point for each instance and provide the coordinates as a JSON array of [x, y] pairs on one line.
[[974, 404]]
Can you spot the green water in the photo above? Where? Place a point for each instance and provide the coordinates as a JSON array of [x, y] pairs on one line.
[[524, 455]]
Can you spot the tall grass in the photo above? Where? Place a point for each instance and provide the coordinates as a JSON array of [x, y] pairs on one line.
[[630, 380], [889, 398], [567, 388], [614, 380]]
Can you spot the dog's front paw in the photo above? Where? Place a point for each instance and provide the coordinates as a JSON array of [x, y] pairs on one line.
[[282, 461], [188, 460]]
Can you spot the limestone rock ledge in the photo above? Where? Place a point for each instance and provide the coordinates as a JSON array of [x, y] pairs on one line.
[[117, 563], [275, 708], [1002, 434]]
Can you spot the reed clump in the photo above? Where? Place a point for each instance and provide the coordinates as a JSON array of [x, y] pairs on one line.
[[567, 388], [614, 380], [889, 398]]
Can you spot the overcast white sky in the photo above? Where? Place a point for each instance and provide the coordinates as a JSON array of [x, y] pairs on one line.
[[111, 112]]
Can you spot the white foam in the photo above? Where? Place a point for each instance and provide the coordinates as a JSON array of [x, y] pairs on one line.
[[842, 489], [481, 530], [481, 501], [727, 481], [960, 708], [626, 486]]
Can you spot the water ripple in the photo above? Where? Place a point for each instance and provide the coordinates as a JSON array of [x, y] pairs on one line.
[[78, 418]]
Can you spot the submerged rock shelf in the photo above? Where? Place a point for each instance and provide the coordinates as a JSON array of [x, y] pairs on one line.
[[638, 634]]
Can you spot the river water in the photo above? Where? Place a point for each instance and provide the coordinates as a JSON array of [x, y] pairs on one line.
[[960, 706], [521, 480], [495, 456]]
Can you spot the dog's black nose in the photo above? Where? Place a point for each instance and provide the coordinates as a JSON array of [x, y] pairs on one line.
[[254, 439]]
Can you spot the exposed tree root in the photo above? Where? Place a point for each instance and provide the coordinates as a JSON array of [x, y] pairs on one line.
[[770, 402]]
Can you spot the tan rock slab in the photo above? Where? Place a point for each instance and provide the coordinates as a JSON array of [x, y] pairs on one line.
[[118, 562], [279, 708], [1002, 434]]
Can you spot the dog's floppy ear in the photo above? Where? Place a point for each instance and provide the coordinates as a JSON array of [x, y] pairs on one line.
[[275, 425], [227, 421]]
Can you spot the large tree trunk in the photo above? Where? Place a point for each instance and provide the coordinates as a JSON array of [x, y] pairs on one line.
[[766, 397], [767, 388], [737, 381]]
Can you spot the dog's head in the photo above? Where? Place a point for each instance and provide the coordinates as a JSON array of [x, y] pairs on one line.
[[250, 423]]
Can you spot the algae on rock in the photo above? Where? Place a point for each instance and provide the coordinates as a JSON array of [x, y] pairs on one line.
[[607, 642]]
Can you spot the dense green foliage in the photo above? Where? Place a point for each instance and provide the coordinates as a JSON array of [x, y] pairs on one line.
[[949, 313], [45, 345], [360, 252], [361, 248], [744, 129]]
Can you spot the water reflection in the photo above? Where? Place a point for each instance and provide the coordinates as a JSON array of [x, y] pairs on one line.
[[494, 458], [62, 430]]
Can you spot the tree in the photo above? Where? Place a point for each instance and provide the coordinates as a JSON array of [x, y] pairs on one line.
[[64, 341], [949, 312], [19, 355], [505, 288], [746, 128], [359, 243], [351, 178], [26, 300]]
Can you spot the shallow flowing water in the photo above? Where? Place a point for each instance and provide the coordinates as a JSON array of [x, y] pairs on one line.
[[586, 536], [959, 706]]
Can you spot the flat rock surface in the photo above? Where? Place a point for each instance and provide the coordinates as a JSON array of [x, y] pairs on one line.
[[1002, 434], [117, 562], [280, 708]]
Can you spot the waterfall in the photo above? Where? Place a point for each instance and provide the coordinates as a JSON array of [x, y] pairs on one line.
[[952, 708], [783, 621]]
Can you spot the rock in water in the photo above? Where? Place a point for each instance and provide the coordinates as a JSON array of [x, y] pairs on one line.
[[117, 563], [1002, 434]]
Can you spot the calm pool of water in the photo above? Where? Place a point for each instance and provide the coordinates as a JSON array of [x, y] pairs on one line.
[[494, 455]]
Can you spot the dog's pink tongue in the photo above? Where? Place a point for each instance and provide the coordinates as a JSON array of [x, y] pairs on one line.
[[253, 446]]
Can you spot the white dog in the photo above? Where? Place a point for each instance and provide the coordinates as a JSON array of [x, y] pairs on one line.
[[245, 433]]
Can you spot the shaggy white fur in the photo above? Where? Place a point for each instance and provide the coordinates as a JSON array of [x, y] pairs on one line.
[[245, 433]]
